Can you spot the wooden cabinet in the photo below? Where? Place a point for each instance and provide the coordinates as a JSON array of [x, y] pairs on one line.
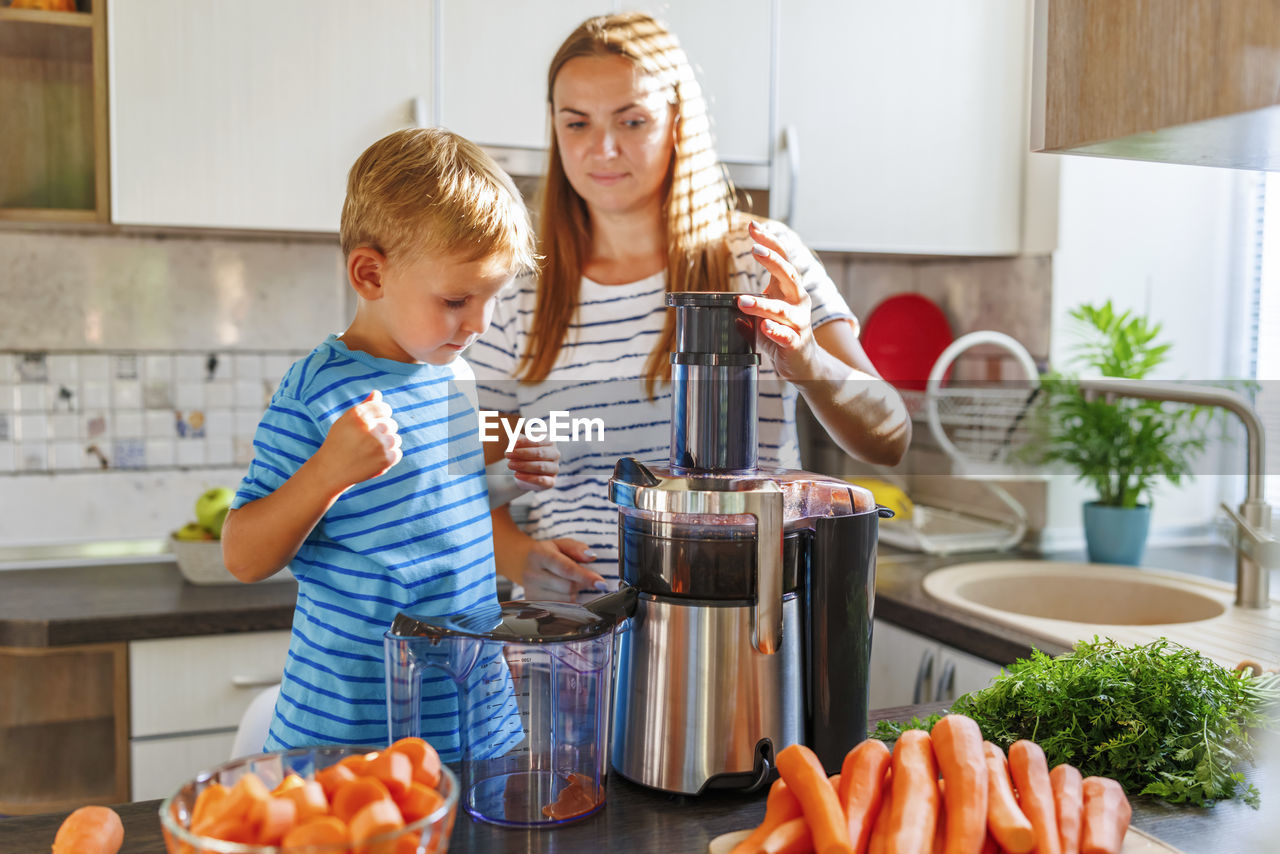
[[53, 152], [187, 696], [243, 114], [64, 727], [906, 125], [908, 668], [1190, 82]]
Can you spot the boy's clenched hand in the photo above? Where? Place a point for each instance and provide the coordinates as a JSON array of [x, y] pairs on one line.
[[363, 443]]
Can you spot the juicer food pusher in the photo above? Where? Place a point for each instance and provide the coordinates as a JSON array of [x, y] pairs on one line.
[[752, 628]]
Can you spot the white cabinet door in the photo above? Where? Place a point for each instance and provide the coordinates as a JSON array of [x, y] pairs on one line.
[[244, 114], [492, 62], [909, 123], [730, 45], [899, 661], [908, 668], [159, 766], [200, 683]]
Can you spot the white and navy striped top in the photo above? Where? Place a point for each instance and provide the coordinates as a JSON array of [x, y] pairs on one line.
[[599, 375], [417, 538]]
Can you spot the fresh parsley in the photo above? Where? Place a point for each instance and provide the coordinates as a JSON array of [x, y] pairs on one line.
[[1161, 719]]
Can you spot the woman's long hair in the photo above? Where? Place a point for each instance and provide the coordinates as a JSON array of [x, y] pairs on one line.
[[697, 206]]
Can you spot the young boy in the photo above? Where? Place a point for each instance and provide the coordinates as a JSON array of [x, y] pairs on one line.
[[368, 479]]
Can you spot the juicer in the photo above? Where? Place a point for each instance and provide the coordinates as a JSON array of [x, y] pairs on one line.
[[752, 625]]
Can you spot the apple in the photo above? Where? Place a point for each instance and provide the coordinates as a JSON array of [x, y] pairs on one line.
[[191, 531], [212, 507]]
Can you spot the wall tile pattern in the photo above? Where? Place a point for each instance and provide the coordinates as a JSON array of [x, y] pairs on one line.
[[86, 411]]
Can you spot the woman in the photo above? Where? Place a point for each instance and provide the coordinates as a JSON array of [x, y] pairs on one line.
[[635, 205]]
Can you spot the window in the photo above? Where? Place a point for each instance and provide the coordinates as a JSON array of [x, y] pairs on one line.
[[1262, 316]]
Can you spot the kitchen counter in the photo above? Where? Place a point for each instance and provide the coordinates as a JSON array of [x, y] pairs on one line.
[[124, 602], [636, 819]]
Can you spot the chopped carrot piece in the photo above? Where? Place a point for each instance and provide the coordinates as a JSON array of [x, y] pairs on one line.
[[292, 781], [425, 760], [376, 818], [331, 778], [352, 796], [208, 805], [273, 818], [325, 830], [419, 801], [310, 800], [394, 769]]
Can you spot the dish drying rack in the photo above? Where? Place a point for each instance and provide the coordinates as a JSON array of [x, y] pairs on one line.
[[980, 426]]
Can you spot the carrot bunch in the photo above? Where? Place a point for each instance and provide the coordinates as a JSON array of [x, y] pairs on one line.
[[356, 799], [940, 792]]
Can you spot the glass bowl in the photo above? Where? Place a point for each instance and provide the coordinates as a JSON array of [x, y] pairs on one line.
[[429, 835]]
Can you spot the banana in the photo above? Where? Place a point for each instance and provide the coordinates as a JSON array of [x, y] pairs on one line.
[[888, 495]]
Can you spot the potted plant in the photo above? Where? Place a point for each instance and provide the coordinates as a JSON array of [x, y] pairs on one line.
[[1119, 446]]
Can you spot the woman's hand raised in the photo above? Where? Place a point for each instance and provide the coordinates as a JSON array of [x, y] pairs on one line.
[[786, 330]]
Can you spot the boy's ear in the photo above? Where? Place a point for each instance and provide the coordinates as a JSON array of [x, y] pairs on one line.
[[365, 267]]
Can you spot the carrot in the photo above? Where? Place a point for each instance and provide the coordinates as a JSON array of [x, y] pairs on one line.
[[332, 778], [1006, 822], [914, 818], [779, 807], [1106, 816], [989, 846], [805, 775], [1035, 793], [1068, 805], [862, 782], [208, 805], [790, 837], [419, 801], [376, 818], [425, 760], [273, 818], [957, 745], [940, 835], [292, 781], [358, 762], [309, 798], [878, 843], [351, 797], [89, 830], [393, 768], [325, 830]]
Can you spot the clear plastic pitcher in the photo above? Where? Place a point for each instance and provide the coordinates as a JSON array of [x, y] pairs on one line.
[[534, 686]]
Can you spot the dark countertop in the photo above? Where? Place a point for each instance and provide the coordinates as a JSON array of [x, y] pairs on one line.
[[641, 820], [123, 602]]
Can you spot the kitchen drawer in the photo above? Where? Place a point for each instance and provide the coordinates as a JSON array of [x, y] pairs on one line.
[[161, 765], [182, 685]]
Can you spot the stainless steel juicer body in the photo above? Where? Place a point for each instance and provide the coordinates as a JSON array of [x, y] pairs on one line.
[[752, 629]]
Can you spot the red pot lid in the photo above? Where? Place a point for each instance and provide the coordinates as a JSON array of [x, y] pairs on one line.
[[903, 336]]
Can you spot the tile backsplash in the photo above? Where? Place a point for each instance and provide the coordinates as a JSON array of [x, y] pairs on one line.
[[93, 410], [155, 355]]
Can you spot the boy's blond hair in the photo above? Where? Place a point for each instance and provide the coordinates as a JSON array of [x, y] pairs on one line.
[[428, 190]]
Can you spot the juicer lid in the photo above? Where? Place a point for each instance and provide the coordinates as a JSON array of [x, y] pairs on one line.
[[521, 621]]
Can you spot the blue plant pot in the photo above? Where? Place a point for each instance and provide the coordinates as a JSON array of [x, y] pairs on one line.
[[1116, 534]]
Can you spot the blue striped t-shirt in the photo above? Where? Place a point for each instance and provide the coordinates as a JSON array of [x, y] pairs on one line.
[[417, 538]]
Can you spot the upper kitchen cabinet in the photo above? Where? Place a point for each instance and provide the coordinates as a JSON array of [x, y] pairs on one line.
[[1190, 82], [53, 96], [903, 127], [243, 114], [493, 59]]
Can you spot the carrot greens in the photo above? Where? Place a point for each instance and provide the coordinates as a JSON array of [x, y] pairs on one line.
[[1161, 719]]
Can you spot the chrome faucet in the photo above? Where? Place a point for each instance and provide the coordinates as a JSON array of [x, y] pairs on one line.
[[1257, 550]]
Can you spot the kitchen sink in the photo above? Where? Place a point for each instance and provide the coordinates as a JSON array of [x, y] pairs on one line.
[[1082, 593]]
